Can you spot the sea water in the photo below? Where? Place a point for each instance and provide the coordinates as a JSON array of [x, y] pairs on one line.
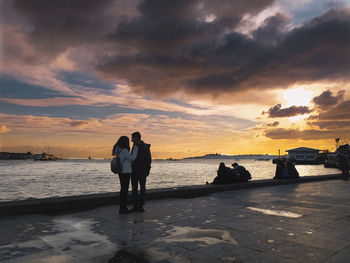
[[25, 179]]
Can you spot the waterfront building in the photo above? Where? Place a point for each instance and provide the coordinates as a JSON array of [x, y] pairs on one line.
[[303, 154]]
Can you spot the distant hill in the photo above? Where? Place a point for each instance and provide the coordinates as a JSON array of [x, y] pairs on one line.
[[241, 156]]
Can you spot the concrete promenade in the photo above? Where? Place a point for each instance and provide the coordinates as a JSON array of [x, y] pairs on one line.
[[300, 222]]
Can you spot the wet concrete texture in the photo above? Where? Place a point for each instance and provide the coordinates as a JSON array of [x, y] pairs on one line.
[[288, 223]]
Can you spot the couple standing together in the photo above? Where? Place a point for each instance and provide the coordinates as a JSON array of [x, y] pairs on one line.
[[135, 165]]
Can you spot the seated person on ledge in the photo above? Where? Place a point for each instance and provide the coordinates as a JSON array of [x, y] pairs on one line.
[[226, 175], [285, 169], [243, 174]]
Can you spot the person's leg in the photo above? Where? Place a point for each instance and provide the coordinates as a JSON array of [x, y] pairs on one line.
[[135, 183], [142, 180], [124, 186]]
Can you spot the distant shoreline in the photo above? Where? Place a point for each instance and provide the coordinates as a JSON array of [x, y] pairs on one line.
[[222, 156]]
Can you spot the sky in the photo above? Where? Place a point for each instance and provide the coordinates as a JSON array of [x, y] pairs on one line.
[[192, 76]]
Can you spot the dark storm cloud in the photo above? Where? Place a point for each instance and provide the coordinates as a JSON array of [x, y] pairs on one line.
[[168, 26], [273, 30], [54, 26], [331, 124], [204, 58], [326, 99], [287, 134], [278, 112], [190, 45], [10, 88], [333, 113], [339, 112]]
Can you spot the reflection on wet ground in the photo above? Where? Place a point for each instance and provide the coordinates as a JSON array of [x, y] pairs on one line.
[[191, 234], [275, 212], [232, 226]]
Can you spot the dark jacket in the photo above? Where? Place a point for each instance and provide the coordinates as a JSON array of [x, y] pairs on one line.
[[225, 175], [142, 163], [244, 174]]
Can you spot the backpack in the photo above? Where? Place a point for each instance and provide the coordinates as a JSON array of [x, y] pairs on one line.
[[116, 165]]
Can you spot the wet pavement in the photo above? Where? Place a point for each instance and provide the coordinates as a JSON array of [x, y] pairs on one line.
[[307, 222]]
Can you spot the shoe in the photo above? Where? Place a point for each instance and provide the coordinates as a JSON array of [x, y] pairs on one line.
[[138, 208]]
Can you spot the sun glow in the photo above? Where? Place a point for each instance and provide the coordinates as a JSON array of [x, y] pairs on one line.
[[297, 97]]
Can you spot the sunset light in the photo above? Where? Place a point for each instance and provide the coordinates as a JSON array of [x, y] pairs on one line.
[[194, 77], [298, 97]]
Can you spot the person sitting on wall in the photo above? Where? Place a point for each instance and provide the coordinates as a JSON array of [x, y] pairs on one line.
[[225, 175], [292, 171], [285, 169], [343, 155], [242, 172]]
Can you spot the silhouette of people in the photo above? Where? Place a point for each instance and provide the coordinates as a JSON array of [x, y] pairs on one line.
[[291, 170], [243, 173], [122, 149], [285, 169], [343, 155], [226, 175], [140, 170]]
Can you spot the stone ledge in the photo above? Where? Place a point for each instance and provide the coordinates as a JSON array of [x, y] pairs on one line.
[[54, 204]]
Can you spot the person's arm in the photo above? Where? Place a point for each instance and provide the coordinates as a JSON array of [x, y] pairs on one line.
[[132, 156]]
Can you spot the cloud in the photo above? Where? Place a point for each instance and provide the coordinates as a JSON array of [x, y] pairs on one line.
[[4, 129], [339, 112], [79, 124], [274, 124], [296, 134], [332, 125], [326, 99], [278, 112], [212, 58], [56, 25], [165, 47], [273, 30]]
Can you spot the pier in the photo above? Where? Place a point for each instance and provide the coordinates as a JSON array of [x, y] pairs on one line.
[[305, 220]]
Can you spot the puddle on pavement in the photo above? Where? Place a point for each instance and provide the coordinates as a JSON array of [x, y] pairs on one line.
[[275, 212], [54, 259], [76, 239], [192, 234]]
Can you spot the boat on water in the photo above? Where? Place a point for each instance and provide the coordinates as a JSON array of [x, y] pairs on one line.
[[44, 157]]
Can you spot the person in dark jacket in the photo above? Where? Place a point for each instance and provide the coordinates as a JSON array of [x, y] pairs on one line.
[[292, 171], [225, 175], [343, 155], [243, 174], [285, 169], [141, 167]]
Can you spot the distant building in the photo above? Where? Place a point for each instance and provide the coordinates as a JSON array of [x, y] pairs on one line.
[[15, 156], [303, 154]]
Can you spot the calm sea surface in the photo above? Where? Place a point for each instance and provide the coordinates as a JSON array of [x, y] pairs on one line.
[[35, 179]]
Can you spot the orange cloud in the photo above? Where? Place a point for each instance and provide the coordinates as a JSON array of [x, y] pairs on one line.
[[4, 129]]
